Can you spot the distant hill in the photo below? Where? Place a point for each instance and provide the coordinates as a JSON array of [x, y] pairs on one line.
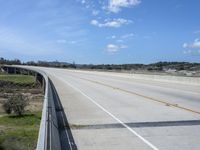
[[180, 68]]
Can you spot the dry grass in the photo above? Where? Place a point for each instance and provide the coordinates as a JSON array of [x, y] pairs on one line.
[[20, 133]]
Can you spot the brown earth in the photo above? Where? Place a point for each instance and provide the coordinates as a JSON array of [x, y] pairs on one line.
[[34, 93]]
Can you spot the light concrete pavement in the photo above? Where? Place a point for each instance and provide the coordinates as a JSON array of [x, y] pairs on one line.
[[114, 111]]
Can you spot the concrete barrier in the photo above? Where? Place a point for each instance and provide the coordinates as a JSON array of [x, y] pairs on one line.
[[48, 137], [167, 78], [161, 78]]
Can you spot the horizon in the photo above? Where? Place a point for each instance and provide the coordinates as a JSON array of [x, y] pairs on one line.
[[100, 32], [54, 61]]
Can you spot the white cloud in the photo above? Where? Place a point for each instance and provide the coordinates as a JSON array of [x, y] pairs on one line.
[[112, 48], [111, 37], [129, 35], [187, 51], [72, 42], [120, 40], [116, 5], [115, 23], [83, 1], [194, 44], [185, 45], [192, 48], [62, 41], [94, 22], [89, 5], [192, 52], [95, 12]]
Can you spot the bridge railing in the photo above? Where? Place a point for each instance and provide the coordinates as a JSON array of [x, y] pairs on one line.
[[48, 137]]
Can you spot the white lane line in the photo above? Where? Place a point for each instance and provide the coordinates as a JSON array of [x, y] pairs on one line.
[[110, 114]]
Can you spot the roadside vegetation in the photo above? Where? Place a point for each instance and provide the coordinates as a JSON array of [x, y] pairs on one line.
[[17, 79], [19, 132], [16, 104], [20, 111]]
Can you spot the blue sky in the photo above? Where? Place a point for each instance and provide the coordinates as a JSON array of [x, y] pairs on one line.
[[100, 31]]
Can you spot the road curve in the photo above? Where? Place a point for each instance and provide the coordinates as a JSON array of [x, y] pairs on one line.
[[109, 111]]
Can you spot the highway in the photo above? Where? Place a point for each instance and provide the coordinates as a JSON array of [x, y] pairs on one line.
[[110, 111]]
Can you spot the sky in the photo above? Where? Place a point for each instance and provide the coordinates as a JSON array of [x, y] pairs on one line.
[[100, 31]]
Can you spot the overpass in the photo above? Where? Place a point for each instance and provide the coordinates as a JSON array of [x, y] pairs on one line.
[[102, 110]]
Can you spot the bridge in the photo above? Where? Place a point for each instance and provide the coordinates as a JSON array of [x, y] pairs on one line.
[[103, 110]]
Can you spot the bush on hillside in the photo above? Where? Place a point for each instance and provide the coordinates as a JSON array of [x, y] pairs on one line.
[[16, 104]]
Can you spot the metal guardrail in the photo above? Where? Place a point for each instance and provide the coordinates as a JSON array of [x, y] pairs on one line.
[[48, 138], [42, 138]]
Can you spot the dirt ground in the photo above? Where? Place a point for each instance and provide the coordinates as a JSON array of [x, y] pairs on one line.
[[34, 93], [20, 132]]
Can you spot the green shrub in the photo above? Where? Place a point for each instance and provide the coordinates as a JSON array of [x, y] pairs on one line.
[[7, 107], [16, 104]]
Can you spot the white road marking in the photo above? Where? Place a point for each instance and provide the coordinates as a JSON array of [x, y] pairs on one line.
[[110, 114]]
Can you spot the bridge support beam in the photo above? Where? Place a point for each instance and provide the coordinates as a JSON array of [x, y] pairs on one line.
[[39, 78]]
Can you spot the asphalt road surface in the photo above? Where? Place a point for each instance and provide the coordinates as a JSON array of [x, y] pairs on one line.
[[107, 111]]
